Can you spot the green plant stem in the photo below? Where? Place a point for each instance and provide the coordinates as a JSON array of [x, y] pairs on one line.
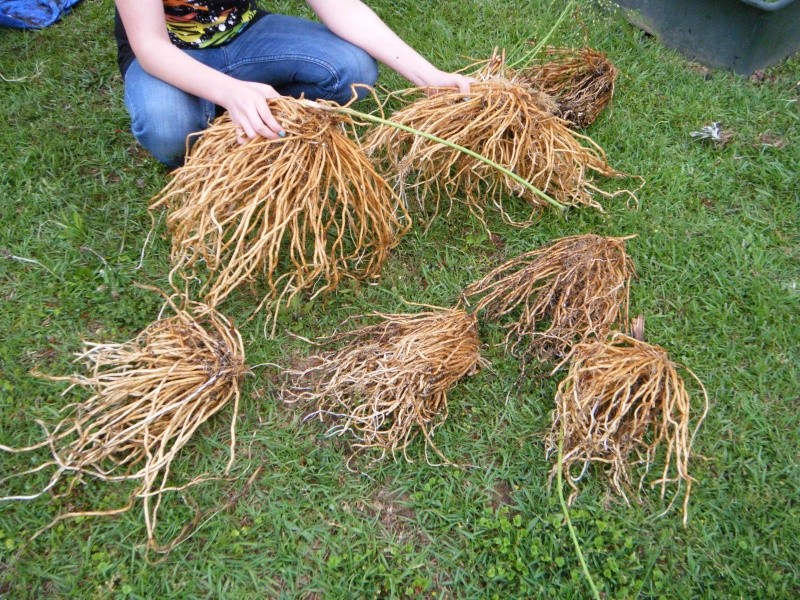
[[526, 58], [565, 510], [473, 154]]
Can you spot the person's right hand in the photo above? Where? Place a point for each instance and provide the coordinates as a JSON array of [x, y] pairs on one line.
[[246, 103]]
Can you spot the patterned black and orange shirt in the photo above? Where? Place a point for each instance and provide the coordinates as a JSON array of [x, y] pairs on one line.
[[204, 23]]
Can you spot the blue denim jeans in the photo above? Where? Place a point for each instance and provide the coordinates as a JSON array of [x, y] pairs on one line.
[[293, 55]]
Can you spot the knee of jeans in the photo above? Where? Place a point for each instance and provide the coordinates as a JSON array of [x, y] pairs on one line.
[[360, 69], [165, 139], [164, 134]]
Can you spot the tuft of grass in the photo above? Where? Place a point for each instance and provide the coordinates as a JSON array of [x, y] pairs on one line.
[[716, 253]]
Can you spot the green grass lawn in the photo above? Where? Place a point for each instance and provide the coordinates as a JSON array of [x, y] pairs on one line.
[[718, 259]]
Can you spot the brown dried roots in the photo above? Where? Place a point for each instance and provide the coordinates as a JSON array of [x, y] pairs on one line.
[[302, 212], [149, 396], [560, 294], [580, 81], [503, 121], [390, 381], [624, 397]]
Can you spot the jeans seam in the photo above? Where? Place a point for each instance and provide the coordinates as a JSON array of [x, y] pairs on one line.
[[210, 109]]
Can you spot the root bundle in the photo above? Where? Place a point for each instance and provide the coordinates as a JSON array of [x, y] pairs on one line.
[[301, 212], [390, 381], [504, 121], [149, 396], [576, 288], [624, 397], [580, 81]]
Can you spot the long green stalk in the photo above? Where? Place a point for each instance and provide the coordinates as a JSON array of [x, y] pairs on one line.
[[449, 144], [524, 59], [565, 510]]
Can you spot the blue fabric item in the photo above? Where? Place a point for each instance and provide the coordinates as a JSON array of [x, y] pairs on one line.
[[32, 14]]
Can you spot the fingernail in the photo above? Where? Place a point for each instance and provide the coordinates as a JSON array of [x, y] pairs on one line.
[[281, 134]]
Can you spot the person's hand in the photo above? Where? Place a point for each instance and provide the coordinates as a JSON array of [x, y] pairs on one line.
[[246, 103], [442, 79]]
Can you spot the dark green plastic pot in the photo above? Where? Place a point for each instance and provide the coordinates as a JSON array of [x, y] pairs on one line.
[[742, 35]]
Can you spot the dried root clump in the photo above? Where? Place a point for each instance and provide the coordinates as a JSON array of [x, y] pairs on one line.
[[149, 396], [559, 295], [389, 381], [500, 119], [621, 401], [301, 212], [581, 81]]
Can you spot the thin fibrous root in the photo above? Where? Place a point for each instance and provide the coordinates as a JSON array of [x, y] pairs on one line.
[[149, 396], [503, 120], [558, 295], [580, 81], [621, 401], [300, 213], [389, 381]]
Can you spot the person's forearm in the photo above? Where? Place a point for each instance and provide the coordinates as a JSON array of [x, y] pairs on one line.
[[168, 63], [353, 21]]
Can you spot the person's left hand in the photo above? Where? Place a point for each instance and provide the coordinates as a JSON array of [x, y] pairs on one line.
[[442, 79]]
